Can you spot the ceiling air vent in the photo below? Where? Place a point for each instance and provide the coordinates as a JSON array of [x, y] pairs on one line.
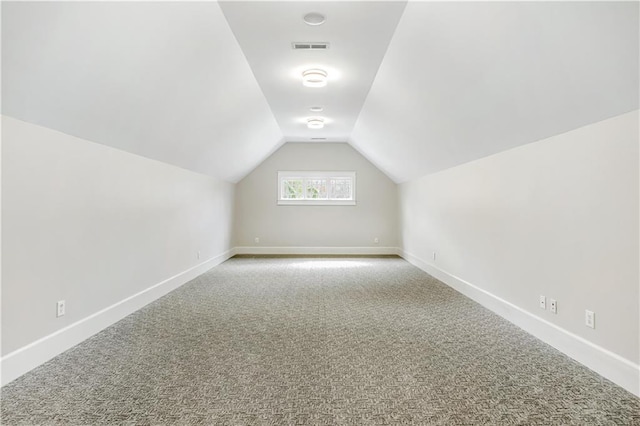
[[310, 45]]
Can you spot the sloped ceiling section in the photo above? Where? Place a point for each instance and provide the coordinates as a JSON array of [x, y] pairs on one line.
[[165, 80], [358, 33], [464, 80]]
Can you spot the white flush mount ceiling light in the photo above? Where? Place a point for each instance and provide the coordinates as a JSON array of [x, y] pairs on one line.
[[314, 78], [314, 18], [315, 123], [316, 109]]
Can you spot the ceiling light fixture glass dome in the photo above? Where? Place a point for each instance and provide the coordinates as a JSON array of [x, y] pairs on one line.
[[315, 123], [314, 18], [314, 78]]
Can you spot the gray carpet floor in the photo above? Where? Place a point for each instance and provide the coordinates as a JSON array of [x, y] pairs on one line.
[[315, 341]]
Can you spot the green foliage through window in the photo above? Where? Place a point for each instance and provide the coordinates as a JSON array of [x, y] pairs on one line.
[[293, 189], [330, 187]]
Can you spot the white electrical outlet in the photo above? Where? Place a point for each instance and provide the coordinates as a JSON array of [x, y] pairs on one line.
[[589, 318], [376, 240], [553, 306], [198, 255], [60, 308], [257, 240], [543, 302]]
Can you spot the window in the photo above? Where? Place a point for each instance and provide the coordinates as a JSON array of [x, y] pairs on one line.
[[317, 188]]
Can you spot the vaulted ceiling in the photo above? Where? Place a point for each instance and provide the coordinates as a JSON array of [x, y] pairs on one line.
[[165, 80], [416, 87]]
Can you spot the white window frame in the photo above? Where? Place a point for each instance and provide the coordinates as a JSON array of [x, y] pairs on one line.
[[317, 175]]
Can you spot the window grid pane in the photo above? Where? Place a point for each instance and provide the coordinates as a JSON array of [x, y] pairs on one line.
[[316, 189], [292, 189], [341, 189], [321, 188]]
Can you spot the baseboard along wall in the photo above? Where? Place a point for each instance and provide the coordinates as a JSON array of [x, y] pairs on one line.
[[604, 362], [317, 250], [619, 370], [25, 359]]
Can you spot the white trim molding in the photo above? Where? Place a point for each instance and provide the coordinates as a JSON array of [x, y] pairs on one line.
[[25, 359], [619, 370], [317, 250]]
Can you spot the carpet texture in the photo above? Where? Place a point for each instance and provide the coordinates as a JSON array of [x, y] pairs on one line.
[[315, 341]]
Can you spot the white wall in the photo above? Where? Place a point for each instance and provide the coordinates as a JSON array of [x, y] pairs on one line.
[[94, 225], [163, 79], [540, 68], [287, 227], [558, 218]]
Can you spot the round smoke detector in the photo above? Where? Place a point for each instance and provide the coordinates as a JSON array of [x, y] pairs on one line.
[[316, 109], [314, 18]]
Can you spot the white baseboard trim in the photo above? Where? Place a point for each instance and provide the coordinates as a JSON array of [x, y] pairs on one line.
[[318, 250], [619, 370], [604, 362], [25, 359]]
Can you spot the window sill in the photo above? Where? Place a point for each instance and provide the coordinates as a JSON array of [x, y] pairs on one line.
[[317, 203]]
